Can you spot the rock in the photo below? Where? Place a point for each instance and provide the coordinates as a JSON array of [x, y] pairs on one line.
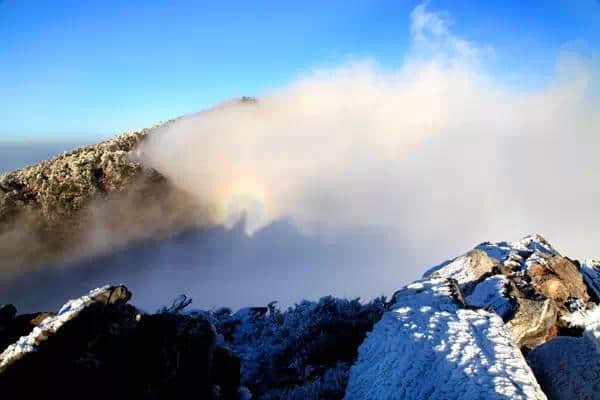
[[492, 294], [7, 313], [558, 279], [428, 347], [20, 325], [468, 269], [533, 321], [567, 368], [591, 272], [47, 209], [98, 346]]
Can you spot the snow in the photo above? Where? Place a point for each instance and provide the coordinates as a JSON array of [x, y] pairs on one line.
[[589, 320], [457, 269], [491, 293], [567, 368], [47, 328], [427, 347], [591, 273], [527, 245]]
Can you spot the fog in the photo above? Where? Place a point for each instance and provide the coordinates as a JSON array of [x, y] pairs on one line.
[[438, 152], [354, 180]]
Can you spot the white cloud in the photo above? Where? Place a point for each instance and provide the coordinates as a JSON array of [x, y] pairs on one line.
[[438, 151]]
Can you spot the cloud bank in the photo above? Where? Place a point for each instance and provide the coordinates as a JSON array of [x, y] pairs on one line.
[[437, 152]]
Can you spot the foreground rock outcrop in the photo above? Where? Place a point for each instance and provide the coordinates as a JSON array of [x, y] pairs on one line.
[[100, 347], [463, 330], [507, 320]]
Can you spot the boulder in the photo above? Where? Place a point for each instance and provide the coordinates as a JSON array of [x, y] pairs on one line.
[[558, 279], [533, 322], [98, 347], [567, 368], [429, 347]]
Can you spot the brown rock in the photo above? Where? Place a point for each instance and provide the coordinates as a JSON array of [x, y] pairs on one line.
[[558, 280], [533, 322]]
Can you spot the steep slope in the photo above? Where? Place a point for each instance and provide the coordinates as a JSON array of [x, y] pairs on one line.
[[84, 201]]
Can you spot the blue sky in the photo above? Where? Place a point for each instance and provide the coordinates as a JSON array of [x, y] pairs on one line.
[[90, 69]]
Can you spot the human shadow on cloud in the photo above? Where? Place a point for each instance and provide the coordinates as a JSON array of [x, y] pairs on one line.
[[217, 266]]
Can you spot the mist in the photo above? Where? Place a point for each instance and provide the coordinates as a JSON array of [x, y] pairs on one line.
[[437, 151], [353, 180]]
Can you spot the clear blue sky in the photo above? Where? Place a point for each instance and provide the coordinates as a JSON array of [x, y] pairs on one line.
[[90, 69]]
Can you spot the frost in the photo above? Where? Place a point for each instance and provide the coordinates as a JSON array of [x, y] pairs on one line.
[[591, 273], [567, 368], [491, 293], [303, 352], [427, 347], [589, 320], [48, 327]]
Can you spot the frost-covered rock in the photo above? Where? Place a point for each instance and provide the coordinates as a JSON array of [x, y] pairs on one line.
[[468, 268], [444, 338], [558, 279], [567, 368], [99, 347], [52, 325], [492, 294], [428, 347], [84, 201], [589, 322], [591, 272]]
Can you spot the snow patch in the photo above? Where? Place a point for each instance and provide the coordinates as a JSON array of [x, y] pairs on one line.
[[591, 273], [567, 368], [427, 347], [491, 293], [589, 320]]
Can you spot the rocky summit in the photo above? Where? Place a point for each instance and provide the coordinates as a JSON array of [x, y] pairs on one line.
[[506, 320]]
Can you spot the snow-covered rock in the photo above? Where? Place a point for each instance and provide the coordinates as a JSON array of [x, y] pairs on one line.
[[591, 273], [567, 368], [491, 293], [51, 325], [589, 321], [428, 347], [444, 337]]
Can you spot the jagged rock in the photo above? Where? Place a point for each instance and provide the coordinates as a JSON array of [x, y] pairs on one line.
[[473, 267], [98, 346], [439, 339], [428, 347], [532, 323], [20, 325], [567, 368], [558, 279]]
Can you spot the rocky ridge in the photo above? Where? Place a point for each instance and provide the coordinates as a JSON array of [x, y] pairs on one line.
[[505, 320], [86, 200]]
